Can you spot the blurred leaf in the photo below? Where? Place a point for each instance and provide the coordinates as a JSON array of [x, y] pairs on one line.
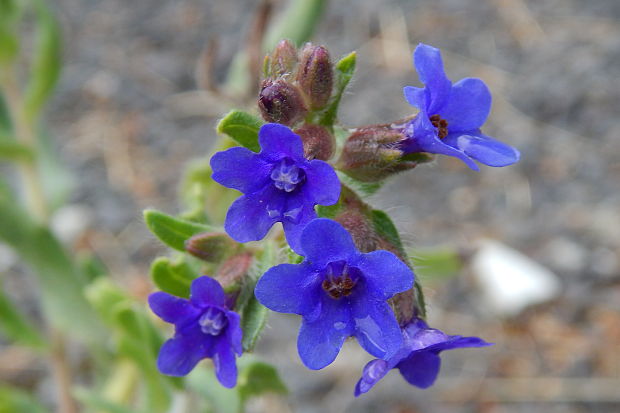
[[61, 284], [363, 188], [344, 72], [297, 23], [14, 400], [254, 314], [242, 127], [257, 378], [57, 181], [436, 263], [9, 44], [46, 64], [172, 231], [94, 400], [15, 326], [170, 279], [386, 229], [5, 117], [223, 400], [14, 151]]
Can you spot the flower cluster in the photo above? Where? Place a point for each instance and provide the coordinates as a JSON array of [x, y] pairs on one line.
[[353, 278]]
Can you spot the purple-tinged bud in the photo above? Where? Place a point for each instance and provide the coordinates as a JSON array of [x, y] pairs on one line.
[[211, 246], [372, 153], [283, 59], [280, 102], [233, 271], [318, 142], [315, 75]]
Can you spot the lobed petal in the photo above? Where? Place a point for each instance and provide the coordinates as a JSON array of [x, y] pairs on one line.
[[455, 342], [374, 371], [420, 369], [293, 230], [416, 97], [468, 106], [385, 273], [324, 241], [429, 65], [225, 364], [376, 328], [240, 169], [171, 309], [483, 148], [277, 141], [248, 217], [322, 184], [319, 341], [205, 291], [289, 288], [179, 355], [234, 334]]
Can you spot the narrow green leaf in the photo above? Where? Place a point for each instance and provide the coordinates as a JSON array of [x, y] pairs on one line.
[[58, 182], [9, 45], [297, 23], [61, 284], [172, 231], [14, 400], [15, 326], [46, 65], [363, 188], [344, 72], [434, 264], [14, 151], [167, 279], [242, 127], [222, 400], [386, 229], [257, 378], [5, 117]]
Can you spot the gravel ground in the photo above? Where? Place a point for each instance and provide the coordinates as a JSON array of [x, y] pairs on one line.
[[126, 119]]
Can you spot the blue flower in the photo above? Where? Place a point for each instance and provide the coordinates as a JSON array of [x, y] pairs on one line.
[[418, 359], [279, 184], [339, 292], [204, 328], [450, 116]]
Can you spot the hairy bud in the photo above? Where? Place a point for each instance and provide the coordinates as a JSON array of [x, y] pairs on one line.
[[211, 246], [280, 102], [283, 59], [233, 271], [318, 142], [315, 75]]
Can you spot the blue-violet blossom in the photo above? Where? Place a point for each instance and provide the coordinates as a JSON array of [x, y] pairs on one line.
[[450, 116], [339, 292], [279, 183], [204, 328], [418, 359]]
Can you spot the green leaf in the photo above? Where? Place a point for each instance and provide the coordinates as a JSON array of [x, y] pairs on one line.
[[257, 378], [344, 72], [14, 151], [9, 44], [46, 64], [386, 229], [363, 188], [435, 264], [297, 23], [14, 400], [94, 400], [242, 127], [169, 278], [61, 285], [223, 400], [172, 231], [15, 326], [5, 117]]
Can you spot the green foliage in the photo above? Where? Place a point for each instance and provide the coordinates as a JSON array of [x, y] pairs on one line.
[[172, 278], [14, 151], [257, 378], [362, 188], [13, 400], [5, 118], [61, 284], [15, 326], [436, 264], [344, 72], [386, 229], [242, 127], [297, 23], [172, 231]]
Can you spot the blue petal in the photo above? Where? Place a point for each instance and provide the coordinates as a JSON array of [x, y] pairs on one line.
[[248, 217], [483, 148], [205, 291], [429, 65], [322, 184], [289, 288], [421, 368], [455, 342], [225, 364], [416, 97], [234, 334], [324, 241], [277, 141], [240, 169], [293, 230], [385, 273], [468, 106], [179, 355], [376, 327], [374, 371], [172, 309], [319, 341]]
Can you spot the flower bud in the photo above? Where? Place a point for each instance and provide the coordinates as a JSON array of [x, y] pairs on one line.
[[371, 154], [233, 271], [211, 246], [283, 59], [315, 75], [318, 141], [280, 102]]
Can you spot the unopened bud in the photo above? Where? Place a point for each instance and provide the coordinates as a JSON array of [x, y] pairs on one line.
[[233, 271], [315, 75], [318, 142], [280, 102], [283, 59], [211, 246]]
